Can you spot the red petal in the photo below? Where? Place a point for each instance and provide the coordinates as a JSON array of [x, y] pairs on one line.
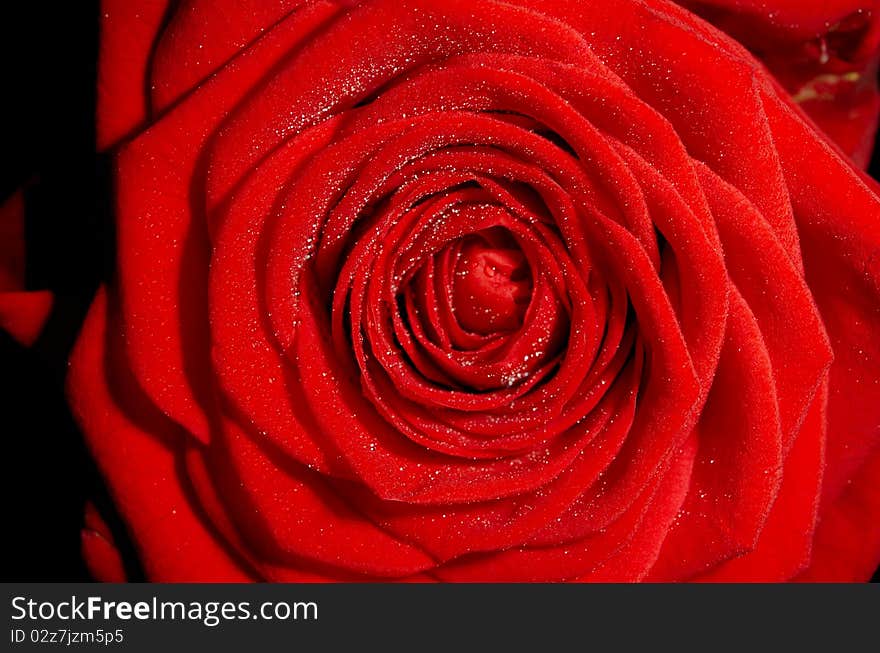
[[23, 314], [784, 546], [99, 548], [128, 33], [847, 543], [136, 455]]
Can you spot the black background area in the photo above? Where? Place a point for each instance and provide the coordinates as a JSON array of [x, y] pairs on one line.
[[47, 79]]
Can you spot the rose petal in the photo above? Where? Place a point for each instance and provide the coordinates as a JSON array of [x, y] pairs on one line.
[[135, 453], [128, 33], [99, 548]]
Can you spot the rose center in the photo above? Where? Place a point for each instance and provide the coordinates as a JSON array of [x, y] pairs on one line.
[[492, 285]]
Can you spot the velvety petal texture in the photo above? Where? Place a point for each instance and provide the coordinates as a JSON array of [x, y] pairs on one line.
[[825, 53], [470, 290]]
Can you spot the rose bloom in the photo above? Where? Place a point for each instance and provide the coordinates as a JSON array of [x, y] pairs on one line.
[[470, 290]]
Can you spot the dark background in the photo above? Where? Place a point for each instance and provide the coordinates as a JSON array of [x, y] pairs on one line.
[[48, 60], [47, 82]]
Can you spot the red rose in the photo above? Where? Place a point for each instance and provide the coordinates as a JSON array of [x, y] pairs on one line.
[[472, 290]]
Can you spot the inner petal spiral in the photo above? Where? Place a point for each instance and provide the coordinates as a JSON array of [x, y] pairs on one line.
[[492, 285]]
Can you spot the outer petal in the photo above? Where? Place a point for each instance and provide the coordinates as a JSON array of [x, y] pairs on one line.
[[784, 545], [128, 32], [838, 213], [164, 305], [99, 548], [738, 469], [136, 455], [847, 543], [804, 16], [824, 52], [201, 36], [838, 216]]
